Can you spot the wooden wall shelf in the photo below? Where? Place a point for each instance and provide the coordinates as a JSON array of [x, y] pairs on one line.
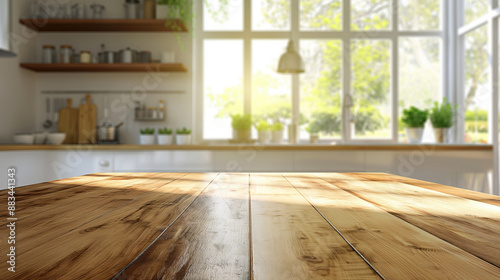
[[101, 67], [104, 25]]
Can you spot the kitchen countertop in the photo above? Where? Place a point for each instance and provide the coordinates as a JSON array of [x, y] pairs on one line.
[[284, 147], [252, 226]]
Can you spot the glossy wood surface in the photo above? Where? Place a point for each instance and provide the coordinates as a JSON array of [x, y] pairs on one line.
[[105, 67], [252, 226]]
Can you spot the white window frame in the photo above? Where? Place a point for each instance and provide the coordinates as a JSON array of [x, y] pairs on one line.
[[345, 36]]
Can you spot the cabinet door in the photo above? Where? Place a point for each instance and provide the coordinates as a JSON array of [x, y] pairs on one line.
[[163, 161], [29, 165], [77, 162]]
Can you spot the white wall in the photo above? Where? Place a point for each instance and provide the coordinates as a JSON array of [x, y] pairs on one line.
[[17, 86], [22, 104]]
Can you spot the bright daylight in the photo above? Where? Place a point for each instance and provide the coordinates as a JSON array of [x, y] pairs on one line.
[[249, 139]]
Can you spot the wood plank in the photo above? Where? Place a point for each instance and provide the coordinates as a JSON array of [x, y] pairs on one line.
[[478, 196], [82, 209], [87, 122], [114, 239], [105, 25], [290, 240], [467, 224], [68, 123], [387, 241], [209, 241], [105, 67], [133, 185]]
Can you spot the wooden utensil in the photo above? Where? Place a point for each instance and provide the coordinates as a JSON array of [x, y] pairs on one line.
[[87, 122], [68, 123]]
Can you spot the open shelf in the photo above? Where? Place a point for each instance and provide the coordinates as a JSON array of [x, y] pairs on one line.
[[105, 25], [102, 67]]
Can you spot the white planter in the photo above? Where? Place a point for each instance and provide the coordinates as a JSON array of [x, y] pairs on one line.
[[441, 135], [414, 134], [163, 12], [277, 137], [165, 139], [147, 139], [264, 137], [313, 138], [183, 139]]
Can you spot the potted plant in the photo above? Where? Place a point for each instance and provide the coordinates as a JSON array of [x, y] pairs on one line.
[[313, 133], [441, 117], [277, 133], [165, 136], [183, 136], [147, 136], [242, 125], [414, 119], [264, 130], [169, 8]]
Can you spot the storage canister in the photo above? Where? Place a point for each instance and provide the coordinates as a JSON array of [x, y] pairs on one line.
[[85, 57], [65, 54], [49, 54]]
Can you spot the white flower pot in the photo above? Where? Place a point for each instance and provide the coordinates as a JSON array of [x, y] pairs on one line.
[[264, 137], [441, 135], [147, 139], [414, 134], [183, 139], [277, 137], [165, 139], [313, 138]]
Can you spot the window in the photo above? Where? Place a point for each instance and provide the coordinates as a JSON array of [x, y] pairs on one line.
[[362, 69]]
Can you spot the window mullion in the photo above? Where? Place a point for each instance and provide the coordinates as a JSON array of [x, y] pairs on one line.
[[395, 71], [295, 10], [346, 70], [247, 54]]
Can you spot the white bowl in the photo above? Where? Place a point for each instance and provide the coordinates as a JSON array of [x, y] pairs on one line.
[[56, 138], [40, 137], [25, 139]]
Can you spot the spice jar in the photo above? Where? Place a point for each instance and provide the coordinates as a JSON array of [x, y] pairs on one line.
[[49, 54], [65, 54], [85, 57]]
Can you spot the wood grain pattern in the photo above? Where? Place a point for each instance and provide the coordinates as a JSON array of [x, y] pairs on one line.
[[387, 242], [383, 177], [68, 123], [118, 236], [209, 241], [467, 224], [87, 122], [251, 226], [290, 240]]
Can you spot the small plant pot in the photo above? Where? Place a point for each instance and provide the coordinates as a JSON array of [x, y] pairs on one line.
[[414, 134], [265, 137], [147, 139], [165, 11], [183, 139], [242, 135], [165, 139], [313, 138], [441, 135], [277, 137]]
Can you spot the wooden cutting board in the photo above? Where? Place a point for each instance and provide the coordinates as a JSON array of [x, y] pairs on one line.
[[87, 122], [68, 123]]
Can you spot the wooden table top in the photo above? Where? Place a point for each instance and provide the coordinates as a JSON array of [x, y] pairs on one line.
[[251, 226]]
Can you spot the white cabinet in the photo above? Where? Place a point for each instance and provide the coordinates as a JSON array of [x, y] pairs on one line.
[[29, 165], [77, 162], [163, 161]]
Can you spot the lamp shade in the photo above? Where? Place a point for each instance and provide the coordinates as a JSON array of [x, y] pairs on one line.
[[290, 61]]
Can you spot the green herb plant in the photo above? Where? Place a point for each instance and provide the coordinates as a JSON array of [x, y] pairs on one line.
[[183, 131], [241, 122], [441, 115], [263, 126], [414, 117], [148, 131], [165, 131], [277, 126]]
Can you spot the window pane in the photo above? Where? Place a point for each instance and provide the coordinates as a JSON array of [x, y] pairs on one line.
[[321, 88], [221, 16], [321, 15], [420, 75], [270, 15], [474, 9], [419, 14], [271, 92], [477, 95], [370, 87], [223, 86], [370, 14]]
